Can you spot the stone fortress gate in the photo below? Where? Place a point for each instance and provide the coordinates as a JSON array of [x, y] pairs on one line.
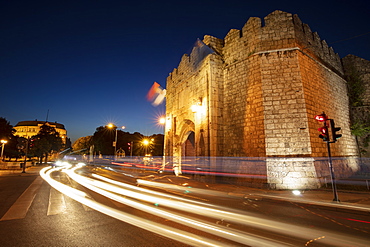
[[254, 95]]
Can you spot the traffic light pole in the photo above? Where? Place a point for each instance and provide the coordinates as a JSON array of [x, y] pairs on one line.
[[25, 156], [333, 184], [326, 138]]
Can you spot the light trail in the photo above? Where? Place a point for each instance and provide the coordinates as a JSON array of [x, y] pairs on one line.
[[131, 187], [235, 217], [113, 189], [157, 228], [180, 188], [227, 233]]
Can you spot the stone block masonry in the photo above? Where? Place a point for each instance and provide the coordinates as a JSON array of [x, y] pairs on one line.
[[257, 95]]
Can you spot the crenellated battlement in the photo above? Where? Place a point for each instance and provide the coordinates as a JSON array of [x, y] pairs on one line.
[[281, 30], [278, 30], [311, 43]]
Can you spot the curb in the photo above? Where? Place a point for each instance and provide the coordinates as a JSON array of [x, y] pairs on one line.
[[339, 205]]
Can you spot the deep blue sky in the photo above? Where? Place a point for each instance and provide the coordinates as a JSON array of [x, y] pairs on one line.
[[92, 62]]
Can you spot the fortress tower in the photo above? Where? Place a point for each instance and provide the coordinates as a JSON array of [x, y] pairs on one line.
[[255, 93]]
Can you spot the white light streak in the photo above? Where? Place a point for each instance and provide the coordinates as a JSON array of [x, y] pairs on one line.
[[233, 235], [166, 231], [118, 191]]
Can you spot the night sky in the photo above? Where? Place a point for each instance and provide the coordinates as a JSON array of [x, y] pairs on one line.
[[89, 63]]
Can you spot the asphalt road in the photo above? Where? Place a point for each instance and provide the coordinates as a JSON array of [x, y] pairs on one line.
[[32, 213], [73, 225]]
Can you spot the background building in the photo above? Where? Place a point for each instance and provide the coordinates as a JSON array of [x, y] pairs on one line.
[[28, 129]]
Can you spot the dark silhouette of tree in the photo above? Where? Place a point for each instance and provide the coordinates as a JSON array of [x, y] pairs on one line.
[[103, 140], [6, 130], [104, 137], [7, 133], [45, 142], [158, 144]]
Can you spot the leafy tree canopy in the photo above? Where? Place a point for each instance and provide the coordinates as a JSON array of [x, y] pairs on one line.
[[6, 130], [46, 141], [104, 138]]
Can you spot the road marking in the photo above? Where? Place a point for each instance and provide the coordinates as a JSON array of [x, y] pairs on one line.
[[72, 184], [20, 208], [57, 204]]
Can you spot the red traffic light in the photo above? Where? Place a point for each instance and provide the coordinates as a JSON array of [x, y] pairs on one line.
[[324, 133], [323, 130], [321, 117]]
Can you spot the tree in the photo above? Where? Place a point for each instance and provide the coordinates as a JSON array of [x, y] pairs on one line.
[[46, 142], [7, 133], [158, 144], [82, 144], [103, 140], [104, 137], [359, 113], [6, 130]]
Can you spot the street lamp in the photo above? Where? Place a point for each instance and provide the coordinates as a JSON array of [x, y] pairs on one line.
[[146, 143], [162, 120], [3, 142], [111, 126]]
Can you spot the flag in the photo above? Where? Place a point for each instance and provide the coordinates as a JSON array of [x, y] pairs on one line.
[[156, 94], [153, 91]]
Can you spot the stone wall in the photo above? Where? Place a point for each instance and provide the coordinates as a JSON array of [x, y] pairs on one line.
[[357, 67], [257, 95], [362, 68]]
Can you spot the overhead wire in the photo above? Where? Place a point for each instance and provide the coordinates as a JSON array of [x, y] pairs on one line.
[[349, 38]]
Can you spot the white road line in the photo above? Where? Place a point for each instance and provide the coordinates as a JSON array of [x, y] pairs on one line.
[[57, 204], [20, 208]]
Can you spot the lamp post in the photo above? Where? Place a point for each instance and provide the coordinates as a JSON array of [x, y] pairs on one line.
[[3, 142], [162, 121], [111, 126], [145, 143]]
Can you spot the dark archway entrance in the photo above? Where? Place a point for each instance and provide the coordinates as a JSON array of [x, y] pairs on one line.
[[189, 145]]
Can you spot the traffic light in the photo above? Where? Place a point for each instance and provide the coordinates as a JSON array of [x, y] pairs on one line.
[[335, 136], [32, 143], [324, 133], [321, 118]]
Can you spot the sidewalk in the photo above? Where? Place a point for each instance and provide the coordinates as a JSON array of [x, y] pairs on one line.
[[350, 200], [355, 200], [30, 170]]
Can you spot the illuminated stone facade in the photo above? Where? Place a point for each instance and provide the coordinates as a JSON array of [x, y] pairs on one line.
[[256, 95], [28, 129]]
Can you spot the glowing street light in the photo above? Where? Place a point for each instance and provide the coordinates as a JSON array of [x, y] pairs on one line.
[[146, 144], [162, 120], [194, 108], [3, 142]]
